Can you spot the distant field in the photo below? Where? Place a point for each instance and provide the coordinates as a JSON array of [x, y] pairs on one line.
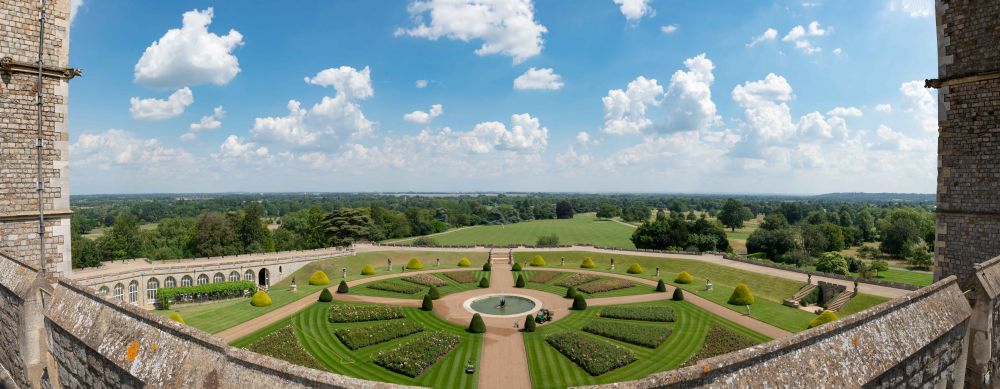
[[100, 231], [584, 228]]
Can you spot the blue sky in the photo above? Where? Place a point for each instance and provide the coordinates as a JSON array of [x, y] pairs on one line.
[[515, 95]]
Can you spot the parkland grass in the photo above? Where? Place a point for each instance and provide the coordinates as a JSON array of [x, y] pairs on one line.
[[582, 228]]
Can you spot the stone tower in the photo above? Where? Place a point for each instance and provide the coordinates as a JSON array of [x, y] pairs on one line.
[[19, 187]]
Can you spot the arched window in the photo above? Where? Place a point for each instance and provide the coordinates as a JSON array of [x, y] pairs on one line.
[[120, 292], [203, 279], [151, 286], [186, 281], [219, 277], [133, 292], [170, 282], [248, 276], [234, 276], [103, 291]]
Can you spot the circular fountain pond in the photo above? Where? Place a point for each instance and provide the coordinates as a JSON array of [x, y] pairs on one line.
[[501, 305]]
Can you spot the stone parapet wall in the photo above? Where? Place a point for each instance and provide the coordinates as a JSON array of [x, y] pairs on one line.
[[921, 333], [15, 287]]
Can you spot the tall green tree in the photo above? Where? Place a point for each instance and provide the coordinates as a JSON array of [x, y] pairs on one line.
[[564, 210], [346, 225], [734, 213], [214, 235], [124, 239], [251, 231]]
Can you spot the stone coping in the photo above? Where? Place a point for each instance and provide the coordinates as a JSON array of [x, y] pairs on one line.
[[988, 274], [953, 310], [17, 276], [468, 305]]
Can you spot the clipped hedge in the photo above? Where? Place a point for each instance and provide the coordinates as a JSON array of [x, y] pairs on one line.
[[596, 357], [319, 278], [660, 314], [529, 323], [368, 270], [284, 345], [678, 295], [588, 263], [484, 282], [176, 316], [660, 286], [579, 303], [359, 337], [537, 261], [217, 291], [487, 266], [684, 278], [570, 292], [516, 267], [413, 358], [464, 262], [823, 318], [741, 295], [477, 325], [350, 313], [414, 264], [325, 296], [428, 303], [635, 268], [644, 335], [520, 281], [343, 288], [260, 299], [434, 293]]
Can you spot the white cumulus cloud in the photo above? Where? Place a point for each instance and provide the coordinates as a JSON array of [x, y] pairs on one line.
[[346, 80], [158, 109], [913, 8], [422, 117], [920, 103], [634, 9], [845, 112], [118, 148], [421, 84], [544, 78], [74, 9], [883, 108], [190, 55], [211, 122], [669, 28], [769, 35], [801, 37], [625, 110], [506, 27]]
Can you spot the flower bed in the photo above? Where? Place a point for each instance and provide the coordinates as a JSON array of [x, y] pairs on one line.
[[350, 313], [543, 277], [720, 340], [283, 344], [605, 285], [425, 280], [462, 277], [358, 337], [395, 286], [577, 279], [413, 358], [595, 356], [638, 334], [663, 314]]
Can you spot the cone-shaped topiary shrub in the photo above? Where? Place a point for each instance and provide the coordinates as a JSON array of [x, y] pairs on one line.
[[684, 278], [579, 303], [635, 268], [538, 261], [484, 282], [741, 295], [520, 281], [588, 263], [464, 262], [434, 293], [516, 267], [319, 278], [176, 316], [487, 266], [368, 270], [342, 288], [414, 264], [529, 324], [571, 292], [428, 304], [477, 325], [325, 296], [660, 286], [260, 299], [678, 295], [823, 318]]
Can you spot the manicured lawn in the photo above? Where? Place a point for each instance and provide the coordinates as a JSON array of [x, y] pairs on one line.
[[452, 287], [768, 290], [551, 287], [216, 317], [583, 228], [316, 335], [551, 369], [902, 276]]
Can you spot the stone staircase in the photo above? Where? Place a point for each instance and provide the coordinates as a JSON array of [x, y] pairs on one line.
[[803, 291], [839, 301], [499, 256]]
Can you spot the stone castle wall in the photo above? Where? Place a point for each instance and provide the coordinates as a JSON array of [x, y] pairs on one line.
[[19, 33]]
